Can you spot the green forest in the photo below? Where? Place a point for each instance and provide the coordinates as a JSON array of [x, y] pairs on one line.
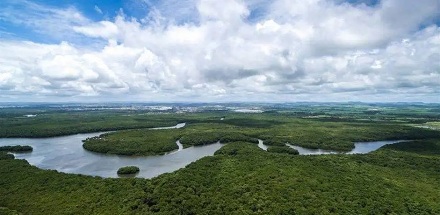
[[17, 148], [239, 178], [242, 179], [128, 170], [273, 129]]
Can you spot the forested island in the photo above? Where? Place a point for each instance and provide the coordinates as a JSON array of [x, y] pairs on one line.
[[17, 148], [240, 178], [128, 170]]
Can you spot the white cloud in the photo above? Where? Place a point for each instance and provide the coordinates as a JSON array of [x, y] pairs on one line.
[[44, 20], [97, 9], [102, 29], [297, 50]]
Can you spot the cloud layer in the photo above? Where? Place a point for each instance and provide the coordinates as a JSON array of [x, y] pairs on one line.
[[318, 50]]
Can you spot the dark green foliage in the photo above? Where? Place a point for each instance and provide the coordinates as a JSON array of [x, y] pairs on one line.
[[242, 179], [6, 156], [282, 149], [237, 148], [247, 120], [339, 135], [17, 148], [7, 211], [235, 136], [30, 190], [333, 127], [427, 147], [203, 138], [274, 141], [152, 142], [134, 142], [200, 138], [302, 132], [128, 170], [49, 124], [56, 122]]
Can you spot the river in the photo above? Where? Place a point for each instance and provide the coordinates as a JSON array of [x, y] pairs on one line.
[[66, 154], [359, 148]]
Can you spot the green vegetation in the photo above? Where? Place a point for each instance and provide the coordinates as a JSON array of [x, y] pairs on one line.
[[275, 131], [433, 125], [30, 190], [7, 211], [57, 123], [128, 170], [17, 148], [325, 126], [195, 134], [242, 179], [420, 147], [282, 149], [134, 142], [6, 156], [350, 112], [339, 135], [151, 142]]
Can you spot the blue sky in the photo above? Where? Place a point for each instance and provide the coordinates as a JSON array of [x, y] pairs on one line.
[[98, 10], [207, 50], [92, 9]]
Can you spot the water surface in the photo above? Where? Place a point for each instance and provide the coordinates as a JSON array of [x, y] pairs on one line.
[[306, 151], [359, 148], [366, 147], [66, 154], [262, 145]]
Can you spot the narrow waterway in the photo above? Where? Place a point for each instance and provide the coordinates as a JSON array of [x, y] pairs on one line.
[[359, 148]]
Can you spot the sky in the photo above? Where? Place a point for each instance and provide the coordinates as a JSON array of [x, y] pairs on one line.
[[220, 51]]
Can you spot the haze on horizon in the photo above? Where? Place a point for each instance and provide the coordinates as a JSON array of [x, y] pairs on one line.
[[220, 51]]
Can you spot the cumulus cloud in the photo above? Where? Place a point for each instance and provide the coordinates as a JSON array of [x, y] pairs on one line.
[[241, 50]]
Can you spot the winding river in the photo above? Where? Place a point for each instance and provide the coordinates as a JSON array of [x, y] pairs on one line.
[[66, 154], [359, 148]]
